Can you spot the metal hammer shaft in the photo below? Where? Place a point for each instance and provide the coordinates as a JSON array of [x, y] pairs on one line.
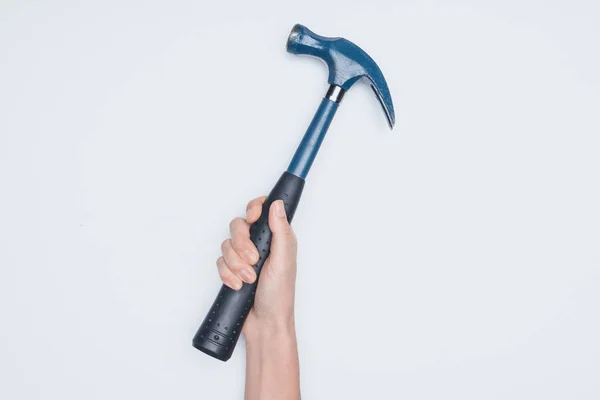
[[311, 142]]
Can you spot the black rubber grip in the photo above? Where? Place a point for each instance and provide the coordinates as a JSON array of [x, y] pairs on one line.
[[220, 330]]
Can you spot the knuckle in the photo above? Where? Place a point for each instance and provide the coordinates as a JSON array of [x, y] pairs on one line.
[[236, 222], [240, 239], [223, 273], [233, 260], [225, 244], [254, 212], [256, 203], [238, 245], [235, 245], [240, 232], [236, 265]]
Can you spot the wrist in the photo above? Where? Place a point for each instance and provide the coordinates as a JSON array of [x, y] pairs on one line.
[[258, 331], [272, 344]]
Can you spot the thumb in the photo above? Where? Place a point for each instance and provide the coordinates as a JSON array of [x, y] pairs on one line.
[[283, 243]]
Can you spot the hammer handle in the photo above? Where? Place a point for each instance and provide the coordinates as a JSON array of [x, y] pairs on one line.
[[221, 328]]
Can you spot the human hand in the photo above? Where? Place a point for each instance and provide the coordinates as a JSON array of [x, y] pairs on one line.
[[274, 301]]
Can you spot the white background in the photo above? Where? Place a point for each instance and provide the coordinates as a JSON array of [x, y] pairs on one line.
[[456, 257]]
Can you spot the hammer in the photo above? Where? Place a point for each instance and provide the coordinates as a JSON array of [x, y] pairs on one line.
[[347, 63]]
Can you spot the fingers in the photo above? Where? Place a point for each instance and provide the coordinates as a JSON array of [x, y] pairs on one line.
[[227, 276], [254, 209], [239, 253], [284, 244], [240, 239], [236, 264]]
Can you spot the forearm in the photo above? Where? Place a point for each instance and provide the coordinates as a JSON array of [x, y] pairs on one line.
[[272, 367]]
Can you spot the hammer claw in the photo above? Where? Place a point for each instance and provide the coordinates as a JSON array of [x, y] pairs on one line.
[[388, 107]]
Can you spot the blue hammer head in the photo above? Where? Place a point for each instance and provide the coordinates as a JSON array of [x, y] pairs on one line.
[[346, 61]]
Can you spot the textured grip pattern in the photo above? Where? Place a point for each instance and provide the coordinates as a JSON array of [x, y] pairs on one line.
[[221, 328]]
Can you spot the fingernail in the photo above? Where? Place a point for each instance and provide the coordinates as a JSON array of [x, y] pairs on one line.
[[247, 275], [236, 285], [251, 256], [279, 211]]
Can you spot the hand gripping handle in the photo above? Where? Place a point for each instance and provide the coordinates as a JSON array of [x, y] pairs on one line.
[[221, 328]]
